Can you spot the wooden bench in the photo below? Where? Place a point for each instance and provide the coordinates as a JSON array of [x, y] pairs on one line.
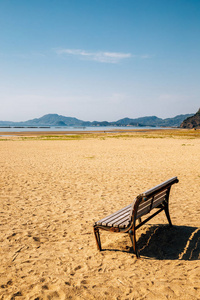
[[124, 220]]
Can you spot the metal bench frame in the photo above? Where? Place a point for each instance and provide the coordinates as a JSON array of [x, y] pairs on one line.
[[124, 220]]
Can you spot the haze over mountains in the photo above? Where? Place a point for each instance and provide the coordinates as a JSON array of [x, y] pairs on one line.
[[58, 120]]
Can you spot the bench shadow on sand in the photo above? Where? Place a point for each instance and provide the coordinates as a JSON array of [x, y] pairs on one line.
[[170, 243], [164, 242]]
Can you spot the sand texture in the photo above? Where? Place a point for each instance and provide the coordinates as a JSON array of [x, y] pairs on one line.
[[52, 191]]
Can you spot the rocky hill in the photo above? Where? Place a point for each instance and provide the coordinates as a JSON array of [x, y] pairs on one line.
[[192, 122]]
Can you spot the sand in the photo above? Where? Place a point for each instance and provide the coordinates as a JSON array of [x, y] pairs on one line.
[[52, 191]]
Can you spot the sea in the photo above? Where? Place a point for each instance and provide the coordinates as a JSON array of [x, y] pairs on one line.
[[70, 128]]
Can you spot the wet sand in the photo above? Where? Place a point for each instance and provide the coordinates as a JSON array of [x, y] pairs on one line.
[[52, 191]]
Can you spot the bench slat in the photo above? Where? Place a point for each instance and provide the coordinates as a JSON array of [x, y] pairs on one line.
[[142, 212], [115, 214], [123, 223], [145, 206], [115, 218], [119, 220], [158, 195], [158, 201], [145, 203]]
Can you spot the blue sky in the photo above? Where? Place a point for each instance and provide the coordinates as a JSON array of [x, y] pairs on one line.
[[99, 59]]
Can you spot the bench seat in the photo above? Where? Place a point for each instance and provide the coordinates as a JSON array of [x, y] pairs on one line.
[[118, 219]]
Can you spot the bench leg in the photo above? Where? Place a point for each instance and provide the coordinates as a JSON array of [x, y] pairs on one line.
[[97, 237], [133, 241], [167, 213]]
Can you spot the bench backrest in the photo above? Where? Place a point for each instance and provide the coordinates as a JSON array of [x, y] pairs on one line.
[[152, 198]]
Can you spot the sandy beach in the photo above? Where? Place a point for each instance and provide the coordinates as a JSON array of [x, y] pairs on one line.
[[53, 190]]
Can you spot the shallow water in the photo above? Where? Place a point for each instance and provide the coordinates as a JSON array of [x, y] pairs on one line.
[[69, 128]]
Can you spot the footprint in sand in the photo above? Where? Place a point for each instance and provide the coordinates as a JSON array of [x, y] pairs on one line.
[[77, 268]]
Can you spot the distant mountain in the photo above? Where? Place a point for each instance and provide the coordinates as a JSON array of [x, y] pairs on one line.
[[144, 121], [192, 122], [46, 120], [153, 121], [58, 120], [54, 120]]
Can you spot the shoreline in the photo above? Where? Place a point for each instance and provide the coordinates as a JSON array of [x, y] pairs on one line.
[[172, 132], [78, 131]]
